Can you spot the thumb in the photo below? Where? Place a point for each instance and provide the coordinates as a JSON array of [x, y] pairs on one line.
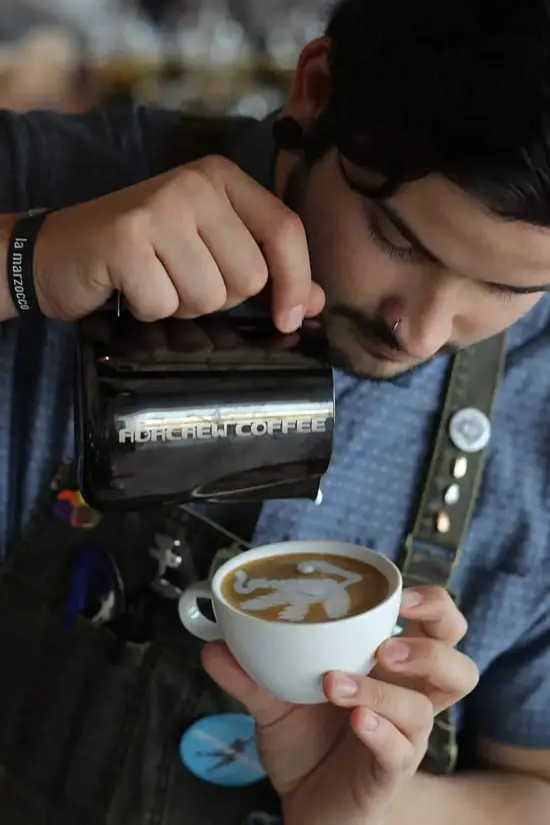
[[231, 678]]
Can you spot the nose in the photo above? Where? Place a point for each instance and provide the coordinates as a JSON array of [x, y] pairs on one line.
[[426, 320]]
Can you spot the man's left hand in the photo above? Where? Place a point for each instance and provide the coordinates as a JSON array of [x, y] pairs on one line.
[[343, 762]]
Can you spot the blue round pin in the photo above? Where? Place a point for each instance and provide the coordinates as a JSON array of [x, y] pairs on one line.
[[222, 750]]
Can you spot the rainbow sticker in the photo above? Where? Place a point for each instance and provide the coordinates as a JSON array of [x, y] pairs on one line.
[[72, 508]]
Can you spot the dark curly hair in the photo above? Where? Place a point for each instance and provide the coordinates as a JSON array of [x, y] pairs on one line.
[[455, 87]]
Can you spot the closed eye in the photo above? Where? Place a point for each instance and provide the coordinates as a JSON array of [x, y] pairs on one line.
[[408, 254], [405, 253], [513, 291], [501, 292]]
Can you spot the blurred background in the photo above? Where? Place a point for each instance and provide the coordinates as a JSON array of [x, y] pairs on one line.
[[202, 55]]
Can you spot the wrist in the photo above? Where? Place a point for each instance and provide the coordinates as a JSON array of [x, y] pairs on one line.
[[71, 280], [42, 267], [7, 307]]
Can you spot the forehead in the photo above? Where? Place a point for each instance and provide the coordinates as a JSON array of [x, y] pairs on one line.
[[469, 239]]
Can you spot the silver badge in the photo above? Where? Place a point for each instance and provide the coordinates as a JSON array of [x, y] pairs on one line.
[[470, 430]]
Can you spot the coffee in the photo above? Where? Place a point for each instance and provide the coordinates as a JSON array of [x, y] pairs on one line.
[[305, 587]]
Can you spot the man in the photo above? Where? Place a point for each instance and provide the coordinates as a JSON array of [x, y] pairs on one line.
[[417, 160]]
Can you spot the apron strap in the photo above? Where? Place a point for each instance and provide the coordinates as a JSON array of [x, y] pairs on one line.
[[432, 548]]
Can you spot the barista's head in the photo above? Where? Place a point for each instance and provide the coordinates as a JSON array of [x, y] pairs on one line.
[[425, 184]]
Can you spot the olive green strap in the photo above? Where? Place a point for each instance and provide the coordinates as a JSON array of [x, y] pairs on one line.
[[432, 549]]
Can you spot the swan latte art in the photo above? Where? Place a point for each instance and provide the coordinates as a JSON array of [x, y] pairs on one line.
[[305, 587]]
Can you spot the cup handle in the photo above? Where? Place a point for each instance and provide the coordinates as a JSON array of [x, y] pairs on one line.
[[191, 617]]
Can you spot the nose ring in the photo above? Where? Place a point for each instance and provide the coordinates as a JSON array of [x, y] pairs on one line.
[[395, 326]]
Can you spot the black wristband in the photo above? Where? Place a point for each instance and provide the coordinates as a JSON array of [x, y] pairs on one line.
[[21, 261]]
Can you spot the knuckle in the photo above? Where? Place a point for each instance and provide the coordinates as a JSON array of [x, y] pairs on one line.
[[424, 714], [254, 279], [217, 163], [443, 602], [288, 227], [376, 698], [208, 301], [407, 763], [471, 678], [207, 175], [401, 755], [461, 625], [130, 230], [425, 652], [216, 167], [441, 596], [147, 315], [434, 655], [150, 310], [195, 182]]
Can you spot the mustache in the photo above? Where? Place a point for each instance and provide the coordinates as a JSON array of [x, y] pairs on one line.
[[371, 328], [376, 329]]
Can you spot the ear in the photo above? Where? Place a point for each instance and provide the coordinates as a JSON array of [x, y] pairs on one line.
[[310, 91]]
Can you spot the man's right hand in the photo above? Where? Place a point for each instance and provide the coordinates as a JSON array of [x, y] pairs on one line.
[[201, 238]]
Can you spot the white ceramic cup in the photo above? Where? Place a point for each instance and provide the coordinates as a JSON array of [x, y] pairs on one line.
[[288, 658]]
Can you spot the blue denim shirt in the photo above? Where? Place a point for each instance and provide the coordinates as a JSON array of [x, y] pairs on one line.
[[384, 432]]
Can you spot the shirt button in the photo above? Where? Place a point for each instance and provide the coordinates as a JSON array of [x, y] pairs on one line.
[[470, 430]]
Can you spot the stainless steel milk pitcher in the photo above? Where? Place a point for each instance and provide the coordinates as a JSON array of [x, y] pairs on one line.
[[223, 409]]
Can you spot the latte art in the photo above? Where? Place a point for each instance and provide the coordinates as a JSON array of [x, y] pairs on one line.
[[296, 596], [298, 588]]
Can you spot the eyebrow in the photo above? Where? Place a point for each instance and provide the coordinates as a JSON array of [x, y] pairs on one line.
[[404, 229]]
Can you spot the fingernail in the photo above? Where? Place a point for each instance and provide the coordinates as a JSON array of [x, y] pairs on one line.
[[292, 319], [396, 652], [345, 687], [370, 721], [411, 598]]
